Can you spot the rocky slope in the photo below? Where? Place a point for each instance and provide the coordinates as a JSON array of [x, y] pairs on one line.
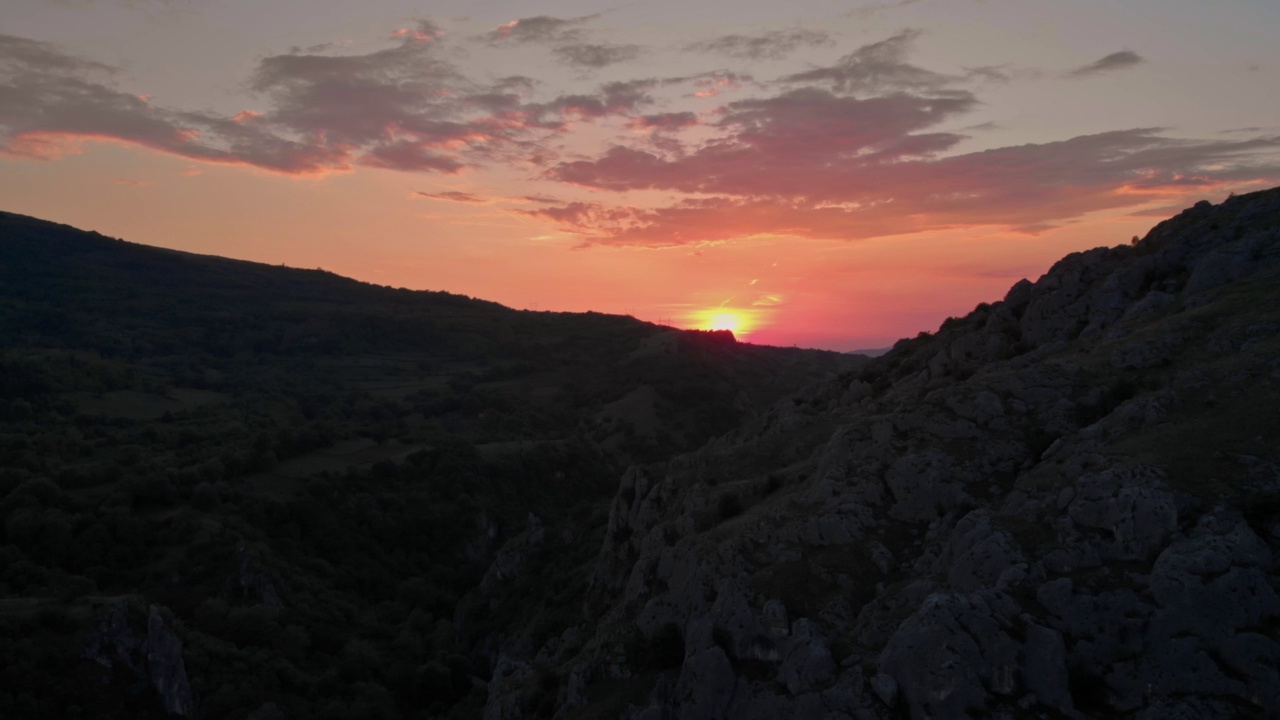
[[1061, 505]]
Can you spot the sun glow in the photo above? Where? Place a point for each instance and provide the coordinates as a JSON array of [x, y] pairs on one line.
[[738, 322], [725, 321]]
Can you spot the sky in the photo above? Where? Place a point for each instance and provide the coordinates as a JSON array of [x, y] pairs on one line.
[[814, 173]]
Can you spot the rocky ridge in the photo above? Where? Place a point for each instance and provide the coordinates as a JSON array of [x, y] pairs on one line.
[[1061, 505]]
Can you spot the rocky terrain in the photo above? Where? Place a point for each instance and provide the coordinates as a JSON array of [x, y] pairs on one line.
[[1064, 504]]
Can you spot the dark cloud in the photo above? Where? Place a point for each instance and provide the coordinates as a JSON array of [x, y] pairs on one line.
[[874, 68], [405, 108], [615, 98], [772, 45], [1114, 61], [540, 29], [664, 122], [49, 99], [18, 54], [594, 56]]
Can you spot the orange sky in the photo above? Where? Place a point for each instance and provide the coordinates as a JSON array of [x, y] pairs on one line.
[[823, 175]]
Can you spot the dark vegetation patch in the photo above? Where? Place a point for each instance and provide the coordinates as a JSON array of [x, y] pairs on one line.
[[313, 474]]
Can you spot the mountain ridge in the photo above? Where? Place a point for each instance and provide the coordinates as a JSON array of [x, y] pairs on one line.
[[1061, 504], [233, 464], [1065, 503]]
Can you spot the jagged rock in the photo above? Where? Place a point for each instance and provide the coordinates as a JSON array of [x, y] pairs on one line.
[[1150, 303], [1256, 658], [1222, 265], [979, 556], [508, 678], [924, 487], [707, 688], [165, 667], [1175, 666], [882, 558], [969, 521], [1042, 666], [953, 653], [886, 688], [807, 662], [1131, 505], [1188, 708], [114, 641], [156, 660], [254, 584], [1212, 582], [511, 559]]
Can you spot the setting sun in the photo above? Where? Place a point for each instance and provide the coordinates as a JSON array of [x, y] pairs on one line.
[[725, 321], [738, 322]]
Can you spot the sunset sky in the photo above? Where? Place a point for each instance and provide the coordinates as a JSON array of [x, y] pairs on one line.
[[823, 174]]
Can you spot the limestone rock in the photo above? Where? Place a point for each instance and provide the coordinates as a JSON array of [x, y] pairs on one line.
[[165, 667], [953, 653]]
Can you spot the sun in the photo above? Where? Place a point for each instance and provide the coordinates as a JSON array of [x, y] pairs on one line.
[[719, 318], [724, 321]]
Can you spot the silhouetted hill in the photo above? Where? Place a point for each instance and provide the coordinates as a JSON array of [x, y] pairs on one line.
[[224, 459], [1065, 504]]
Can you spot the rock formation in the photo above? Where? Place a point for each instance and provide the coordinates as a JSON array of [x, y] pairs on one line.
[[1049, 508]]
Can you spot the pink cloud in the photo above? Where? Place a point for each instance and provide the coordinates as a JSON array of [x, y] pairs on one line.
[[780, 183], [456, 196]]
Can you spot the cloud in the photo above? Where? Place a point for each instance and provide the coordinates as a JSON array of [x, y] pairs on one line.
[[456, 196], [51, 101], [877, 67], [714, 83], [541, 199], [775, 145], [406, 107], [540, 29], [583, 55], [614, 98], [817, 162], [664, 122], [772, 178], [771, 45], [1114, 61], [872, 9]]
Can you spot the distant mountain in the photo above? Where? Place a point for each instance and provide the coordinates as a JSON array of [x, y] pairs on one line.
[[230, 489], [1064, 504]]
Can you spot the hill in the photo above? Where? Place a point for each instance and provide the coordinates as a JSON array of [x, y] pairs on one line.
[[259, 489], [1064, 504]]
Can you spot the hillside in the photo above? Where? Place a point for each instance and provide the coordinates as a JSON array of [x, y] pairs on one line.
[[230, 489], [341, 500], [1064, 504]]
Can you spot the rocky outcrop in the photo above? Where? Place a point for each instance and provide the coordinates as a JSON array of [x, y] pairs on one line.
[[511, 559], [999, 519], [155, 660]]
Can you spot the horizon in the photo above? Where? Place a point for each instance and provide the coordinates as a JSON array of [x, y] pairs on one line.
[[814, 176]]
